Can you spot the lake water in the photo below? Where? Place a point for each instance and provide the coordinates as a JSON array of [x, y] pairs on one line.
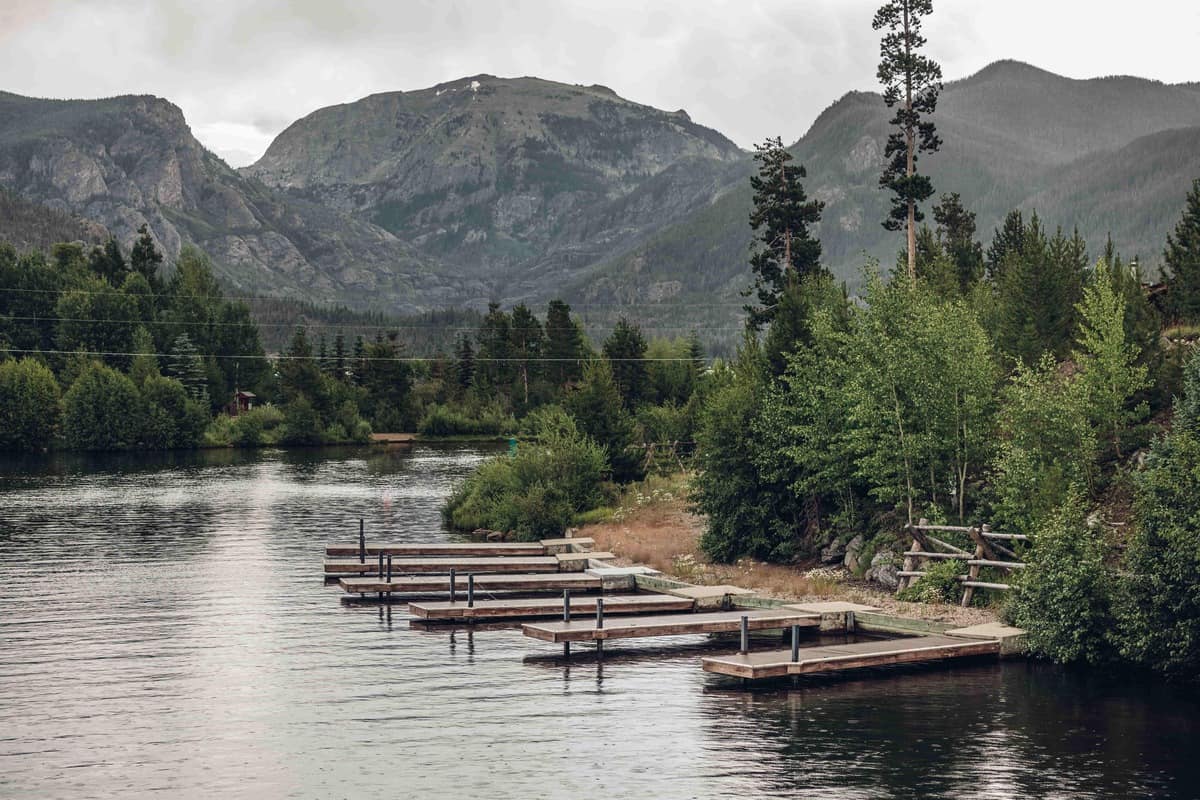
[[164, 628]]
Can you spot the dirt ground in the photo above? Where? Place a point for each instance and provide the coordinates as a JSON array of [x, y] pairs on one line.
[[653, 527]]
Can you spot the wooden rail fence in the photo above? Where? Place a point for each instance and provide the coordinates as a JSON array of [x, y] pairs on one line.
[[989, 552]]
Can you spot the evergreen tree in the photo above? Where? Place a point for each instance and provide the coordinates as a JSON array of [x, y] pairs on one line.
[[598, 411], [1183, 260], [145, 259], [1009, 239], [339, 356], [911, 83], [187, 367], [464, 364], [624, 350], [360, 350], [782, 212], [494, 370], [299, 375], [388, 381], [1039, 289], [108, 263], [528, 342], [145, 363], [565, 349], [956, 234]]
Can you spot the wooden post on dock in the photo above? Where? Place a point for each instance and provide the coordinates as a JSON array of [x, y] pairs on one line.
[[566, 618], [599, 625], [471, 590], [452, 592], [362, 542]]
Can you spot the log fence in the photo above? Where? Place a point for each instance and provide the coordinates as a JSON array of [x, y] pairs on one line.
[[988, 553]]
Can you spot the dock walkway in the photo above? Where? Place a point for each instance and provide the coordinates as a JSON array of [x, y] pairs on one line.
[[835, 658], [495, 582], [586, 630], [550, 607]]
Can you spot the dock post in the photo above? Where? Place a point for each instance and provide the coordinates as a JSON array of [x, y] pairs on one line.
[[599, 626], [745, 634], [452, 592], [795, 643], [566, 618], [389, 568], [380, 572], [362, 542], [471, 590]]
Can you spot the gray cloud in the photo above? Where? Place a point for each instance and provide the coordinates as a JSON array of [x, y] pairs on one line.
[[243, 71]]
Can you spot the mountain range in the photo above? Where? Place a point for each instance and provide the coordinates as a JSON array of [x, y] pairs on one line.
[[523, 189]]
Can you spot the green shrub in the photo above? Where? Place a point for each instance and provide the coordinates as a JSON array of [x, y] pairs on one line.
[[100, 410], [301, 424], [1063, 598], [30, 405], [536, 493], [171, 418], [441, 420], [939, 584]]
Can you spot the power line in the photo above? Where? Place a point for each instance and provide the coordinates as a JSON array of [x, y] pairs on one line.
[[271, 298], [348, 358], [343, 326]]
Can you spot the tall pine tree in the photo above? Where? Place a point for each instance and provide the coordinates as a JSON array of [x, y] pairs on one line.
[[911, 83], [782, 212], [1183, 260]]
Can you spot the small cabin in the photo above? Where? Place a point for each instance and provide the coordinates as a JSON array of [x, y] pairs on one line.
[[242, 401]]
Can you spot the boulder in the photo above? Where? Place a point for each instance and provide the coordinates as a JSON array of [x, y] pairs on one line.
[[833, 552], [853, 551], [883, 570]]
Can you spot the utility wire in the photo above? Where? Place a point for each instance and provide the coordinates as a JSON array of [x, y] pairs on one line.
[[348, 357]]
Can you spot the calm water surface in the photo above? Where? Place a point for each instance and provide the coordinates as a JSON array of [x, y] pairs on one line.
[[164, 628]]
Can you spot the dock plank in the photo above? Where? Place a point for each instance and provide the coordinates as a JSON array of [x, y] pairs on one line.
[[463, 565], [436, 549], [516, 582], [585, 630], [835, 658], [549, 607]]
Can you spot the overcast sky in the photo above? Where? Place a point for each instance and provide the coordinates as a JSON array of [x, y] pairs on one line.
[[243, 70]]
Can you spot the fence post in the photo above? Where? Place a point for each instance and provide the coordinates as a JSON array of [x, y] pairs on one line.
[[973, 569]]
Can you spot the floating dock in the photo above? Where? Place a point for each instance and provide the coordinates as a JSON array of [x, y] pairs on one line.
[[548, 607], [836, 658], [440, 584], [587, 630], [452, 549], [463, 565]]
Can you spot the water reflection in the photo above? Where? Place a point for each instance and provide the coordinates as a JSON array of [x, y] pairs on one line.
[[163, 627]]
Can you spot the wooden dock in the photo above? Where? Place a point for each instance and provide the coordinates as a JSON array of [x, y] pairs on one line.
[[462, 565], [836, 658], [495, 582], [586, 630], [446, 549], [548, 607]]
